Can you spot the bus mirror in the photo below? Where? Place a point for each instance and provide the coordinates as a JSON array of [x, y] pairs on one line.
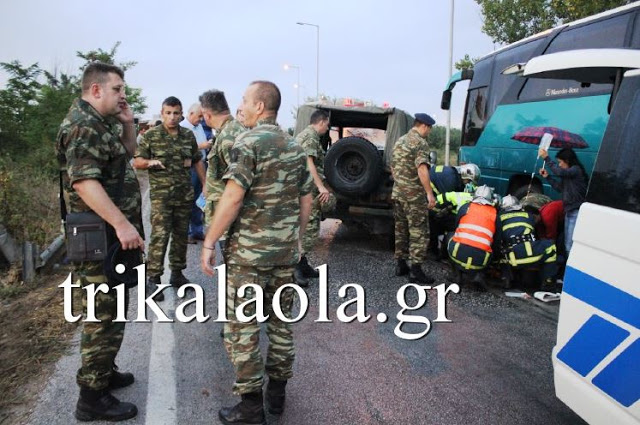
[[433, 158], [446, 100]]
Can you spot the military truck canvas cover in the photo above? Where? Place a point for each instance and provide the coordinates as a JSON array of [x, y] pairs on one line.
[[395, 121]]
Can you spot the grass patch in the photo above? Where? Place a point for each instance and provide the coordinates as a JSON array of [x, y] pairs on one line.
[[33, 336]]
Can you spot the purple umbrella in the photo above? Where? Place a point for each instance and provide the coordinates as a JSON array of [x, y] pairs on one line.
[[561, 138]]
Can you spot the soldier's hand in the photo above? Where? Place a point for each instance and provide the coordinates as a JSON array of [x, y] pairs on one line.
[[432, 200], [155, 163], [324, 195], [208, 258], [125, 116], [129, 237], [205, 145]]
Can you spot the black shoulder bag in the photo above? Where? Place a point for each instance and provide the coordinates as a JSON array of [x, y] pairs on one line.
[[88, 236]]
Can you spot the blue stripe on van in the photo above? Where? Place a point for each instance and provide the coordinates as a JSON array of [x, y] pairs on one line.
[[601, 295], [621, 378], [592, 343]]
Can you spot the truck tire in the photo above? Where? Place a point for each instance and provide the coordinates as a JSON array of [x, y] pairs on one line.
[[353, 166]]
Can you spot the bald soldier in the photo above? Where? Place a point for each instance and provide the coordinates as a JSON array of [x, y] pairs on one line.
[[266, 201], [412, 196]]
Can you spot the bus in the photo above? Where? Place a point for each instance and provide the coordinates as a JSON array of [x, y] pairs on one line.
[[502, 108]]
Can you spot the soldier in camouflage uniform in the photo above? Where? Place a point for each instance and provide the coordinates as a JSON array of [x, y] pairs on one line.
[[309, 140], [95, 143], [217, 115], [168, 151], [412, 195], [267, 200]]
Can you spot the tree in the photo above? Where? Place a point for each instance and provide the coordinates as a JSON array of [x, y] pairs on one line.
[[466, 62], [507, 21], [35, 101]]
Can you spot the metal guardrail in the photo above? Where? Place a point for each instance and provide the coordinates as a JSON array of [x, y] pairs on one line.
[[31, 258]]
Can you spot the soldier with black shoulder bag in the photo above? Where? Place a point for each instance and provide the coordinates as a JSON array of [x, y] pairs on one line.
[[95, 143]]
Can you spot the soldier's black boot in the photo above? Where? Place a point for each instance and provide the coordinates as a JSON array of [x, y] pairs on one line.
[[402, 268], [299, 277], [307, 270], [101, 405], [152, 285], [177, 279], [416, 275], [275, 396], [120, 380], [249, 411]]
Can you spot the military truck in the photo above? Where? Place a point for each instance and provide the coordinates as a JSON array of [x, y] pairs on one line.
[[357, 162]]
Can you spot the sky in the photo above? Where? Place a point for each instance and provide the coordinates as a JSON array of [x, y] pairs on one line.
[[382, 51]]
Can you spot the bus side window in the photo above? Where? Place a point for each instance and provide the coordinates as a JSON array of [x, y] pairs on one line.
[[475, 118], [609, 33], [616, 177]]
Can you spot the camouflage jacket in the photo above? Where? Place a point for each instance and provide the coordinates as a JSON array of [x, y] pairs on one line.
[[409, 152], [219, 157], [272, 168], [177, 154], [309, 140], [88, 146]]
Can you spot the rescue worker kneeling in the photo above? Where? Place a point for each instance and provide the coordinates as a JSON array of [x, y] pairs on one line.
[[477, 231], [452, 187], [520, 246]]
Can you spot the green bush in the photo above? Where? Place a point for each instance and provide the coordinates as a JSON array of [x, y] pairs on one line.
[[29, 205]]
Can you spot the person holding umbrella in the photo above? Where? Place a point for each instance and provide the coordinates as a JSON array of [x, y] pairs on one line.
[[572, 184]]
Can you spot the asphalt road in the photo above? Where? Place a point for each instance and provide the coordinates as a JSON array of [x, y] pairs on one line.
[[490, 365]]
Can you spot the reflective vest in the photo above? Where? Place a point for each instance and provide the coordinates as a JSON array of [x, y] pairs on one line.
[[457, 199], [477, 227]]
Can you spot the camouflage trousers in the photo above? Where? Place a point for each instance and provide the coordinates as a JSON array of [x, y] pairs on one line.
[[313, 227], [241, 340], [168, 221], [411, 231], [99, 342]]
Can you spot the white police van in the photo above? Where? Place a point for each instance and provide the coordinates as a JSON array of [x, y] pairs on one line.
[[596, 358]]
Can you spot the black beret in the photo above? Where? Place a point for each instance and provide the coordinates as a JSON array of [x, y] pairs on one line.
[[425, 119]]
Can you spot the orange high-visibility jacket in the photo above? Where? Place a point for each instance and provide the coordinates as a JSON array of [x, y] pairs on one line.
[[477, 227]]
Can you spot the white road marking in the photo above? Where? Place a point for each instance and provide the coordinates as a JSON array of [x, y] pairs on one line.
[[161, 394]]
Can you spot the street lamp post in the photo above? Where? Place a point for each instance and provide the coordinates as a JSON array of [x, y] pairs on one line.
[[297, 86], [317, 56], [447, 143]]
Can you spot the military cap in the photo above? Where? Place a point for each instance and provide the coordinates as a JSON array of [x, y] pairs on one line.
[[425, 119]]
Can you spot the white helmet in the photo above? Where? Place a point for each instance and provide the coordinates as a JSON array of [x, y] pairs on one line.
[[483, 195], [510, 203], [469, 172]]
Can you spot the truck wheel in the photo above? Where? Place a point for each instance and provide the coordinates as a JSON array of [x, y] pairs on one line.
[[353, 166]]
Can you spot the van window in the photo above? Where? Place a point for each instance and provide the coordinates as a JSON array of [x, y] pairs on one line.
[[616, 177], [609, 33]]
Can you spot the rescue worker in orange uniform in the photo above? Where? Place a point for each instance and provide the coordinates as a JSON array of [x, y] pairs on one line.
[[477, 236]]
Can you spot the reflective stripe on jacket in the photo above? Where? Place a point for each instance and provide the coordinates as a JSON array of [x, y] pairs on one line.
[[477, 227]]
